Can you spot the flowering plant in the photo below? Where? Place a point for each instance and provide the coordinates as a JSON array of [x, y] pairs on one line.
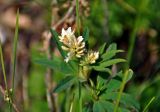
[[89, 84]]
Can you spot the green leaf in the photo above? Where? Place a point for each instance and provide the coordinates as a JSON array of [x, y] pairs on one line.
[[109, 107], [55, 64], [126, 99], [86, 109], [15, 48], [97, 107], [64, 83], [102, 49], [67, 68], [112, 46], [113, 85], [129, 76], [100, 82], [86, 34], [59, 44], [102, 69], [73, 65], [111, 62], [110, 54]]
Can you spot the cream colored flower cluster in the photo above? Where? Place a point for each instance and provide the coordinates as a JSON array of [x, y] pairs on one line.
[[75, 46]]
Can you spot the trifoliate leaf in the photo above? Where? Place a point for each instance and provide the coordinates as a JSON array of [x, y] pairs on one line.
[[112, 46], [126, 99], [64, 84], [102, 49], [111, 62], [110, 54]]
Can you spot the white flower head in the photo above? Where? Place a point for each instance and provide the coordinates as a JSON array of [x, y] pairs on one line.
[[66, 35], [90, 58], [74, 46]]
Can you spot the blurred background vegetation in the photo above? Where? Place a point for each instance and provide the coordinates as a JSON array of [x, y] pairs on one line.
[[133, 24]]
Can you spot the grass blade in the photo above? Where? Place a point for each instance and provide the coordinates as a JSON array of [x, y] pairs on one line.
[[2, 63], [146, 107], [121, 90], [15, 49]]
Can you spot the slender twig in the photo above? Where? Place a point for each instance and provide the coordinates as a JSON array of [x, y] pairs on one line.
[[77, 16], [68, 13], [25, 89], [48, 76], [50, 96], [48, 80]]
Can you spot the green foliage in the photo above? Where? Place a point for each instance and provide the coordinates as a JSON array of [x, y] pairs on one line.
[[111, 62], [15, 48], [56, 38], [149, 94], [124, 20], [146, 107], [105, 106], [65, 83], [56, 64], [86, 34], [79, 79], [102, 48]]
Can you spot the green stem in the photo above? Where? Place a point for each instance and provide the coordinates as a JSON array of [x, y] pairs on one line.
[[3, 68], [4, 75], [77, 17], [79, 89], [131, 45], [71, 106], [121, 90], [10, 107], [14, 58], [137, 24], [80, 97], [146, 107]]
